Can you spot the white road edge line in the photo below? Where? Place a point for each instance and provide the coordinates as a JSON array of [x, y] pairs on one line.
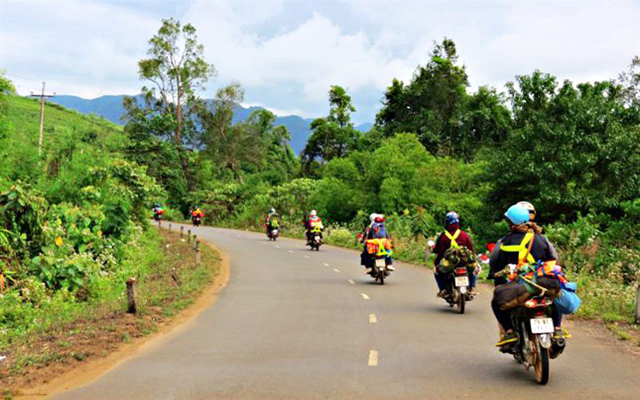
[[373, 358], [351, 281], [373, 319], [364, 296], [336, 270]]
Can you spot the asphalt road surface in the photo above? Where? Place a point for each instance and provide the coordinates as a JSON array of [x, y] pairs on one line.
[[297, 324]]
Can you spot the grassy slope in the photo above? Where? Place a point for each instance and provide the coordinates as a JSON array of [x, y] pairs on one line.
[[89, 140]]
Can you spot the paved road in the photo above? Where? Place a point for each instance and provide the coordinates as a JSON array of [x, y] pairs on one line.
[[296, 324]]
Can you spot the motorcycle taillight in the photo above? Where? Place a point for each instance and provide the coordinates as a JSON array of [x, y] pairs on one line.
[[461, 271]]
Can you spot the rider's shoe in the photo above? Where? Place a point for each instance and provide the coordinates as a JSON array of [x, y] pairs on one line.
[[472, 291], [507, 339], [560, 333], [442, 293], [390, 268], [368, 271]]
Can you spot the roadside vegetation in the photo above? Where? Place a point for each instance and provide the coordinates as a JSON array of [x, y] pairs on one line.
[[571, 149], [73, 228]]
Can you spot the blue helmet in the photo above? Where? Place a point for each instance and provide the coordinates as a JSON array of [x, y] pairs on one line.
[[452, 217], [517, 214]]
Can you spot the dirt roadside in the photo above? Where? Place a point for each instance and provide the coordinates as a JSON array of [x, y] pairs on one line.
[[105, 349]]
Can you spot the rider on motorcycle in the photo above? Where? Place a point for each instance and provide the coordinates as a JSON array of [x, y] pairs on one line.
[[314, 222], [376, 230], [197, 213], [270, 220], [157, 211], [452, 237], [499, 280], [521, 246]]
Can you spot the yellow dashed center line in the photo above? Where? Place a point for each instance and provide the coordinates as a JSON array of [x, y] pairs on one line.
[[291, 251], [351, 281], [364, 296], [373, 319], [325, 264], [336, 270], [373, 358]]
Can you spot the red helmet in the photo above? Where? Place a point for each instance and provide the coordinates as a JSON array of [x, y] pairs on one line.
[[379, 218]]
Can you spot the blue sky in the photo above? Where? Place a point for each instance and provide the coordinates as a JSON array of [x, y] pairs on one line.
[[287, 54]]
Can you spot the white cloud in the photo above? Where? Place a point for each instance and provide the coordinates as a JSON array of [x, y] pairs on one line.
[[288, 54]]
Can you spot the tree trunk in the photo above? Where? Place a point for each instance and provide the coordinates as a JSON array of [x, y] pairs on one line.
[[184, 162]]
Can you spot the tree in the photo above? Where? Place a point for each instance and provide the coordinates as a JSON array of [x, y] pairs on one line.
[[432, 104], [572, 148], [630, 81], [176, 68], [435, 106], [335, 135]]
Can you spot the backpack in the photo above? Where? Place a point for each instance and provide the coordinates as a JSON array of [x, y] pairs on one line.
[[459, 257], [378, 231]]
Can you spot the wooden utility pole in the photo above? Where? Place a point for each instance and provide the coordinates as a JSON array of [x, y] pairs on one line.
[[42, 100]]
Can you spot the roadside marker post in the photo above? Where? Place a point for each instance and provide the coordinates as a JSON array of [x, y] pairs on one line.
[[197, 249], [132, 307], [181, 231], [189, 236]]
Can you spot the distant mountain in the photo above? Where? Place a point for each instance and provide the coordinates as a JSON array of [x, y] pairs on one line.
[[110, 107]]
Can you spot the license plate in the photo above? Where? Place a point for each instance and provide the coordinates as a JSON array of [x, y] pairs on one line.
[[317, 238], [462, 281], [381, 263], [542, 325], [275, 231]]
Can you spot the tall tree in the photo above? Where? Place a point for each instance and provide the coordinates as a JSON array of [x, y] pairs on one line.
[[334, 135], [176, 68]]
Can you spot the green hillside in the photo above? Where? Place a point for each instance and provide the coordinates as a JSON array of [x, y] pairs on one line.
[[72, 142]]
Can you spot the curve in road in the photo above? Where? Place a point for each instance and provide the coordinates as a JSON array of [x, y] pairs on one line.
[[296, 324]]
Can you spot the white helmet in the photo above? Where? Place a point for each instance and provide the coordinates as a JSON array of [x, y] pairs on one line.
[[372, 217], [527, 205], [313, 213]]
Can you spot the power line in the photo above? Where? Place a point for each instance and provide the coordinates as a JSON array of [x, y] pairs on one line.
[[43, 97]]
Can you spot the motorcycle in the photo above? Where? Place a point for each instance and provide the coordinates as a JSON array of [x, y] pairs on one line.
[[380, 254], [457, 288], [536, 345], [273, 234], [196, 220], [316, 239], [380, 272]]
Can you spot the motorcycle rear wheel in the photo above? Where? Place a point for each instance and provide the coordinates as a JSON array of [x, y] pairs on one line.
[[541, 362], [461, 303]]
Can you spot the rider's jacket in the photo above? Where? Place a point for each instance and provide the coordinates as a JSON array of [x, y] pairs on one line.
[[444, 242], [513, 249], [315, 222]]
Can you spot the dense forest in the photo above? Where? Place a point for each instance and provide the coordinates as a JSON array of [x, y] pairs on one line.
[[69, 210]]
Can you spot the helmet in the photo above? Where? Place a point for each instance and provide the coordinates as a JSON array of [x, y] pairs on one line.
[[517, 214], [313, 213], [529, 207], [157, 205], [273, 210], [379, 218], [452, 217], [372, 217]]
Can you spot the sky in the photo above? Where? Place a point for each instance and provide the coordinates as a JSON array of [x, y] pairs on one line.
[[287, 54]]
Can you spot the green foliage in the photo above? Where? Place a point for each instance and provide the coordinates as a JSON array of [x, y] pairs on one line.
[[333, 136], [572, 149]]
